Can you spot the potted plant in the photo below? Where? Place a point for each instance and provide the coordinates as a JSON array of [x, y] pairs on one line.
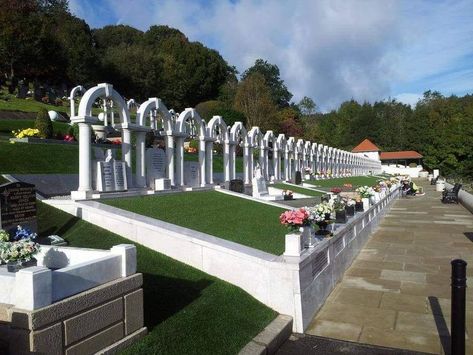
[[321, 216], [299, 226], [335, 190], [350, 208], [287, 195], [359, 205], [340, 213], [307, 173], [19, 252], [365, 192]]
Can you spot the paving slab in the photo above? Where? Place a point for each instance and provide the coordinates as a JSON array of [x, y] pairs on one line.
[[397, 291]]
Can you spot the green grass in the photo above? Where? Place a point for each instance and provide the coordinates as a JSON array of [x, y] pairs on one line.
[[186, 310], [3, 180], [23, 158], [338, 182], [217, 162], [297, 189], [229, 217], [7, 126], [28, 105]]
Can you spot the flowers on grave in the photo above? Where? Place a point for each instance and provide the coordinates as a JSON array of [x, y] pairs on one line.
[[4, 236], [308, 171], [116, 141], [295, 219], [320, 213], [68, 138], [25, 133], [335, 190], [22, 250], [287, 194], [365, 191], [347, 186], [339, 204]]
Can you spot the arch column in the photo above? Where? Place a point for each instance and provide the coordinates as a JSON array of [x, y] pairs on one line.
[[202, 161], [228, 160], [179, 161], [246, 163], [263, 159], [126, 154], [209, 163], [140, 174], [169, 142], [85, 174], [276, 163]]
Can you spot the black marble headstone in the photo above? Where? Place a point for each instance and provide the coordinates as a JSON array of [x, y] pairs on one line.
[[298, 178], [237, 185], [18, 206]]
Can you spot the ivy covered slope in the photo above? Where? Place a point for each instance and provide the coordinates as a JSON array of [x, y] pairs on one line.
[[186, 311]]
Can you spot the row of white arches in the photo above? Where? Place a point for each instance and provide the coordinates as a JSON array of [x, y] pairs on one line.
[[279, 157]]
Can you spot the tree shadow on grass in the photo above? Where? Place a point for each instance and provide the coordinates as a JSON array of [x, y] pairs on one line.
[[166, 296], [60, 229]]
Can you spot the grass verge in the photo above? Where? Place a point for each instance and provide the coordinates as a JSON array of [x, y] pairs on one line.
[[186, 310], [338, 182], [297, 189], [228, 217], [7, 126]]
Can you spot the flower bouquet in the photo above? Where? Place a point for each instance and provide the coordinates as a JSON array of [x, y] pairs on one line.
[[294, 220], [321, 216], [19, 252], [287, 194]]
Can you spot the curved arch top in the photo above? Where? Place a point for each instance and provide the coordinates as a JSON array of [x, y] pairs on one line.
[[217, 121], [154, 104], [190, 114]]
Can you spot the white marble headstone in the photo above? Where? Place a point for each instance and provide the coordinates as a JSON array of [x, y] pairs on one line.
[[191, 173], [155, 165]]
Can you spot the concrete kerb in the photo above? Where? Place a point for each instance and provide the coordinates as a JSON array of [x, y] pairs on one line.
[[271, 338], [465, 198]]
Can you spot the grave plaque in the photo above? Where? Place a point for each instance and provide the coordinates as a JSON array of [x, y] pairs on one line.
[[105, 178], [236, 185], [192, 173], [17, 206], [259, 187], [119, 175], [155, 165], [298, 178]]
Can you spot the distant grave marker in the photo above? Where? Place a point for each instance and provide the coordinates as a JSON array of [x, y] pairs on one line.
[[236, 185]]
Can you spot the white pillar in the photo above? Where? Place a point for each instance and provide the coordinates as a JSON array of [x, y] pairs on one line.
[[262, 162], [228, 162], [85, 174], [286, 166], [202, 161], [126, 154], [179, 161], [276, 163], [169, 141], [209, 162], [140, 159], [246, 163]]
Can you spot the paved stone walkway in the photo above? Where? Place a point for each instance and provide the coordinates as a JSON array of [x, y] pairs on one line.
[[397, 291]]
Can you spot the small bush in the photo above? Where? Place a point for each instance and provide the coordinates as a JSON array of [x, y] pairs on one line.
[[45, 100], [58, 102], [43, 124]]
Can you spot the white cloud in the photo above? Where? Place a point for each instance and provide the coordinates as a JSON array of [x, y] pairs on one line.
[[409, 98], [330, 50]]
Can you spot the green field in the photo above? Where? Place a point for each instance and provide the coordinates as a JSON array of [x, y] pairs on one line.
[[338, 182], [29, 105], [3, 180], [229, 217], [297, 189], [7, 126], [186, 310]]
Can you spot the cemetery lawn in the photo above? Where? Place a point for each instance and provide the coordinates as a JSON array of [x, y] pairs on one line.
[[23, 158], [297, 189], [186, 310], [29, 105], [338, 182], [228, 217], [3, 180]]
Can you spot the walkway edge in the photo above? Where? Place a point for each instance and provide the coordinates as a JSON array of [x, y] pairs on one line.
[[271, 338]]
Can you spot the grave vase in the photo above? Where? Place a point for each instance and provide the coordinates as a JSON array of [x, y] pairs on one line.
[[366, 203], [308, 236], [14, 266], [322, 229]]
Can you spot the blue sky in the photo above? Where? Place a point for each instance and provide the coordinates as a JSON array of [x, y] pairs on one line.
[[329, 50]]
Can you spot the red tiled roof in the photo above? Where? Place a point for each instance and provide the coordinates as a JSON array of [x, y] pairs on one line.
[[366, 146], [406, 154]]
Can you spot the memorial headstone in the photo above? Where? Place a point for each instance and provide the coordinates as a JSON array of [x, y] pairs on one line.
[[18, 206], [119, 175], [297, 178], [259, 184], [237, 185], [111, 174], [22, 90], [155, 166], [191, 173]]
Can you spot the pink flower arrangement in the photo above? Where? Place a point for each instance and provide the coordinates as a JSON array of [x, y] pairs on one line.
[[295, 219]]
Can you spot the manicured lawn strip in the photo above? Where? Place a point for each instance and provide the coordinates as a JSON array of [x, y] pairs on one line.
[[217, 162], [23, 158], [3, 180], [338, 182], [30, 105], [186, 310], [297, 189], [7, 126], [228, 217]]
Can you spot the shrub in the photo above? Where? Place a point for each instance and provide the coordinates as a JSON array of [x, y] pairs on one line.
[[58, 102], [43, 124], [45, 100]]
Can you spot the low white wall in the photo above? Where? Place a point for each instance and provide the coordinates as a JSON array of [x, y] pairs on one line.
[[402, 170], [465, 198], [296, 286]]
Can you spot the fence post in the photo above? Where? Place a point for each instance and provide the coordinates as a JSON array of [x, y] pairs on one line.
[[458, 306]]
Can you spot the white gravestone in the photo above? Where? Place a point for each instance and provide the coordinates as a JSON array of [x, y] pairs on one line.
[[155, 166], [191, 173], [111, 174], [119, 174], [260, 189]]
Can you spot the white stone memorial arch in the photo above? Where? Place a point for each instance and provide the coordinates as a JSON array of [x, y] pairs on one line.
[[239, 136], [217, 131]]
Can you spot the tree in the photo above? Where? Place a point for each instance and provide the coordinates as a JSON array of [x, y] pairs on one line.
[[208, 109], [307, 106], [279, 92], [253, 99]]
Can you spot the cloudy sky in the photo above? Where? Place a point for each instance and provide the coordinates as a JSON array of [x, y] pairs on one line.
[[329, 50]]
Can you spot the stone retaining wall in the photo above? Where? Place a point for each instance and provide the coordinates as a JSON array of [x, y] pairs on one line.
[[103, 319]]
